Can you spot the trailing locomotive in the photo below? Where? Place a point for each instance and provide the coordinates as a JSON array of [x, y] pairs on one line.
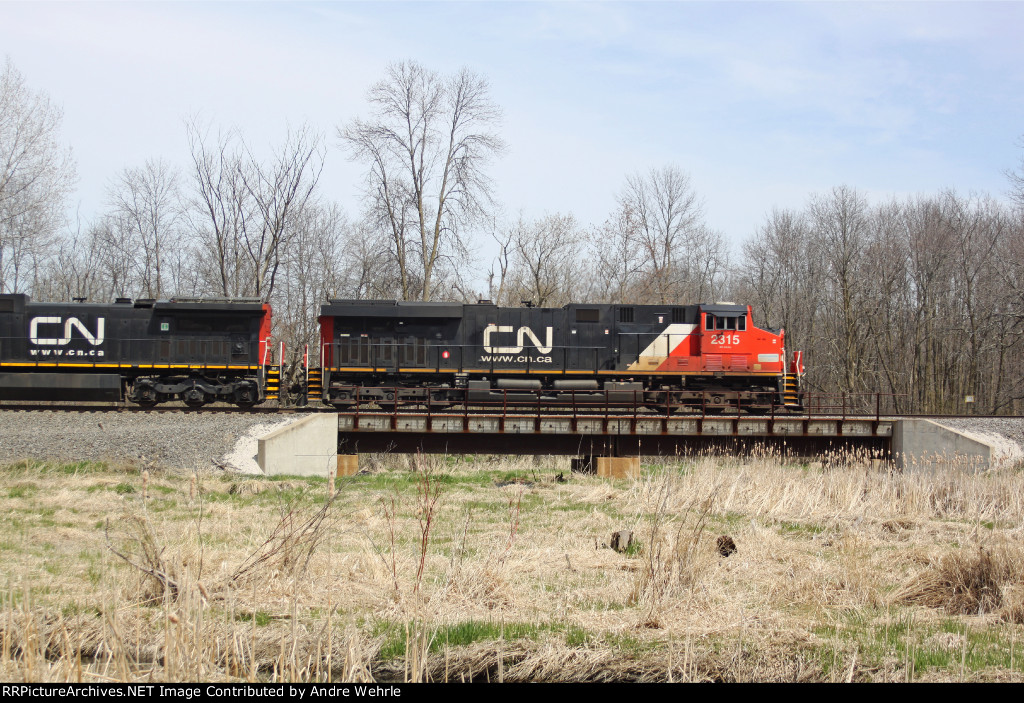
[[666, 357], [197, 351]]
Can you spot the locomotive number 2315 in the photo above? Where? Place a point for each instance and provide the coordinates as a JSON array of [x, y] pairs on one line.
[[725, 339]]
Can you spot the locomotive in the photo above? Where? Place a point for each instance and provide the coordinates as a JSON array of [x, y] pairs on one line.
[[388, 353], [192, 350], [667, 357]]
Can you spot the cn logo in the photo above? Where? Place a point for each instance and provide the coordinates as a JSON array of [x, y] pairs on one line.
[[69, 324], [521, 334]]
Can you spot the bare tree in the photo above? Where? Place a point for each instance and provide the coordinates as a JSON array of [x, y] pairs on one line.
[[427, 147], [89, 264], [919, 299], [839, 221], [221, 208], [617, 258], [501, 265], [315, 267], [661, 221], [145, 206], [36, 176], [780, 275], [547, 264], [244, 210], [280, 192], [1016, 178]]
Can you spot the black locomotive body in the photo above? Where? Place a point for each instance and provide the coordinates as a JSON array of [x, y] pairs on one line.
[[666, 356], [197, 351]]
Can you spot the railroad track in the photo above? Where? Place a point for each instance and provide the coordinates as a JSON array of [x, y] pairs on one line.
[[601, 412]]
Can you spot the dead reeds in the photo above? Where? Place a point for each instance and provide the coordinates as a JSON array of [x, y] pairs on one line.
[[446, 569], [970, 580]]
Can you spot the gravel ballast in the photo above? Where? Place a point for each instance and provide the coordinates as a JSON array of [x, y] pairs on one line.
[[169, 440]]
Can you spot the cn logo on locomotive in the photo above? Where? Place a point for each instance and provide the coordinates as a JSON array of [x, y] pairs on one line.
[[69, 324], [521, 334]]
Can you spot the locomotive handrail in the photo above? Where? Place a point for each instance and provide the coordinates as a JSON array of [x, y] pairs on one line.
[[636, 403]]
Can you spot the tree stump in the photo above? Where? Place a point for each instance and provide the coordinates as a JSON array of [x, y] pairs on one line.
[[622, 540]]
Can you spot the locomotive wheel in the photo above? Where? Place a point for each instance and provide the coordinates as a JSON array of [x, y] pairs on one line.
[[438, 401], [245, 397], [144, 395], [717, 406], [194, 398]]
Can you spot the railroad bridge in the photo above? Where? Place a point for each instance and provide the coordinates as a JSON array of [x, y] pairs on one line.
[[611, 444], [610, 435], [621, 435]]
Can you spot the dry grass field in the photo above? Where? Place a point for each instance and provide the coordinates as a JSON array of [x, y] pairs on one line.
[[499, 569]]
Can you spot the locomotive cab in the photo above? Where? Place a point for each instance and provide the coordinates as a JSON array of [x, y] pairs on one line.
[[730, 341]]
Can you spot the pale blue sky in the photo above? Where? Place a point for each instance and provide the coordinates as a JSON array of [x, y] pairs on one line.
[[761, 103]]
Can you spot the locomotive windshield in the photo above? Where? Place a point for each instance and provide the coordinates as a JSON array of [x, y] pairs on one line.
[[716, 322]]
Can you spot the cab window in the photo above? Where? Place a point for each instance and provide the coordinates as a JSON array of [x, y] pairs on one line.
[[712, 322]]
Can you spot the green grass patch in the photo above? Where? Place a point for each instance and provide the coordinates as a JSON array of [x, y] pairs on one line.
[[635, 549], [951, 646], [467, 632], [727, 520], [93, 574], [25, 489], [260, 617], [800, 528], [43, 468]]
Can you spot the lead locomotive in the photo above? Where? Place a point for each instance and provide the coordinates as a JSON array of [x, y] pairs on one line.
[[708, 356], [148, 351]]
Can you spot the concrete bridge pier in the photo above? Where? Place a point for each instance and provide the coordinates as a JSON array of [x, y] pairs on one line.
[[608, 466]]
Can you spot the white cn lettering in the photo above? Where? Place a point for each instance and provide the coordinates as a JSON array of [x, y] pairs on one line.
[[521, 334], [33, 329], [501, 329], [527, 332], [69, 324]]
